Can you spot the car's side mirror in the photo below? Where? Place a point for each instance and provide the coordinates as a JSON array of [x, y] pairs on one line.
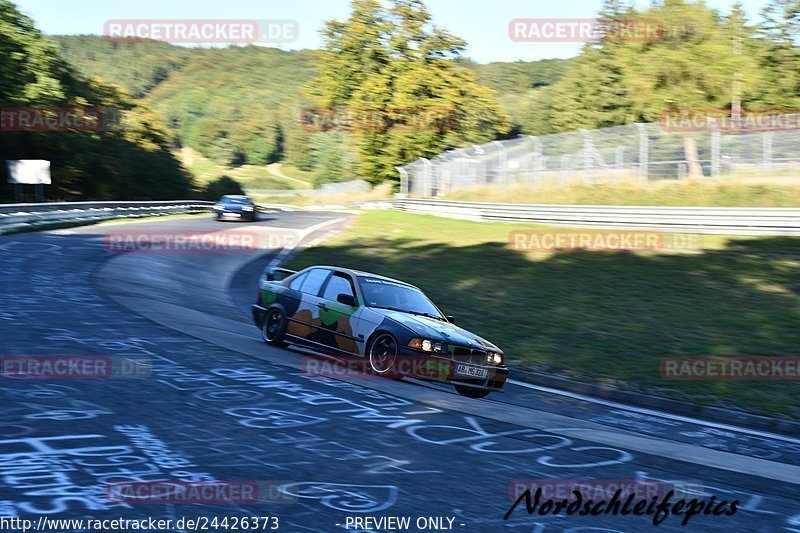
[[347, 299], [450, 318]]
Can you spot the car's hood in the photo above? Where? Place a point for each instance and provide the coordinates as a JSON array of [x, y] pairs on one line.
[[438, 330]]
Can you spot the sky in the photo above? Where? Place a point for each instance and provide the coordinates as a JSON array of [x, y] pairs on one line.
[[483, 23]]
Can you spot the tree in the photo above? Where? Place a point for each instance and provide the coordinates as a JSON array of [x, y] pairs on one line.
[[329, 158], [396, 65], [702, 61], [220, 187], [128, 160], [780, 57]]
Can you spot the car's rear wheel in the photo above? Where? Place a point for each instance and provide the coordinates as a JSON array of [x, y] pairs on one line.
[[470, 392], [383, 355], [273, 328]]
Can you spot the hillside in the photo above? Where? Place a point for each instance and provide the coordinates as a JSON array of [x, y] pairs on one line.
[[238, 105], [125, 158], [241, 105], [520, 76], [135, 66]]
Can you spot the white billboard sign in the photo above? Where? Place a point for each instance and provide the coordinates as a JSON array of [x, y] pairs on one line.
[[29, 171]]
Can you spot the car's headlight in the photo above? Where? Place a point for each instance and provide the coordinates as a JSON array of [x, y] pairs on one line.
[[427, 345], [494, 359], [247, 208]]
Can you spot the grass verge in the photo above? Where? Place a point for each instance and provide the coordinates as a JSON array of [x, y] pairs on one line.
[[379, 192], [598, 316], [722, 193]]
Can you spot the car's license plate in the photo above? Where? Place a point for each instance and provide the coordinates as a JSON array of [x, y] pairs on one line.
[[471, 371], [234, 215]]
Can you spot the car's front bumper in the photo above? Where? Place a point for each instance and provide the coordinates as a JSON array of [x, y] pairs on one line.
[[230, 213], [495, 379], [446, 369]]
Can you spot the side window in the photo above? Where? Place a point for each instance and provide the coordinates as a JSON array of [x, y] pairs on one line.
[[314, 280], [338, 284], [297, 282]]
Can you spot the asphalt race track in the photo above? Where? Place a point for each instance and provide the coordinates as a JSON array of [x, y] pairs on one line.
[[218, 404]]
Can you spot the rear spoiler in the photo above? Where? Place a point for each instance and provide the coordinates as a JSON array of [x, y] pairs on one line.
[[270, 273]]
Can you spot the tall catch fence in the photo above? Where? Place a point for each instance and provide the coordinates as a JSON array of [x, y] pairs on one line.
[[643, 152]]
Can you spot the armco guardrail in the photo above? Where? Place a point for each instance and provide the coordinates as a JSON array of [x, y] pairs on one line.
[[21, 216], [718, 220]]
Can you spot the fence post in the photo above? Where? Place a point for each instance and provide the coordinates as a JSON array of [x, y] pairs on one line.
[[588, 156], [565, 164], [503, 157], [427, 178], [766, 150], [403, 180], [537, 156], [644, 151], [716, 143]]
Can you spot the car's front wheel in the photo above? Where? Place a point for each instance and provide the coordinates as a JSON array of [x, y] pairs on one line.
[[383, 355], [471, 392], [273, 328]]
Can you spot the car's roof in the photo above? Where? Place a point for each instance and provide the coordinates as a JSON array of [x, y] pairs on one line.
[[361, 273], [237, 196]]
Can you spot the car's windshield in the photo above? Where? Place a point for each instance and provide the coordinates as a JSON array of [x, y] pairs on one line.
[[229, 200], [390, 295]]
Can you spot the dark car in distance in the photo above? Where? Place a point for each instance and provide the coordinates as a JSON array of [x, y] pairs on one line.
[[236, 207], [389, 325]]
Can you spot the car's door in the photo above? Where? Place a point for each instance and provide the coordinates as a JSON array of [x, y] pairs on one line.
[[305, 321], [338, 317]]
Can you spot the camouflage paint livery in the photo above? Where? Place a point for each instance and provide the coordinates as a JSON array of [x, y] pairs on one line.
[[315, 319]]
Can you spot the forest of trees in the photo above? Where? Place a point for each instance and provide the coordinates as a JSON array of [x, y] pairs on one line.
[[242, 105], [704, 60]]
